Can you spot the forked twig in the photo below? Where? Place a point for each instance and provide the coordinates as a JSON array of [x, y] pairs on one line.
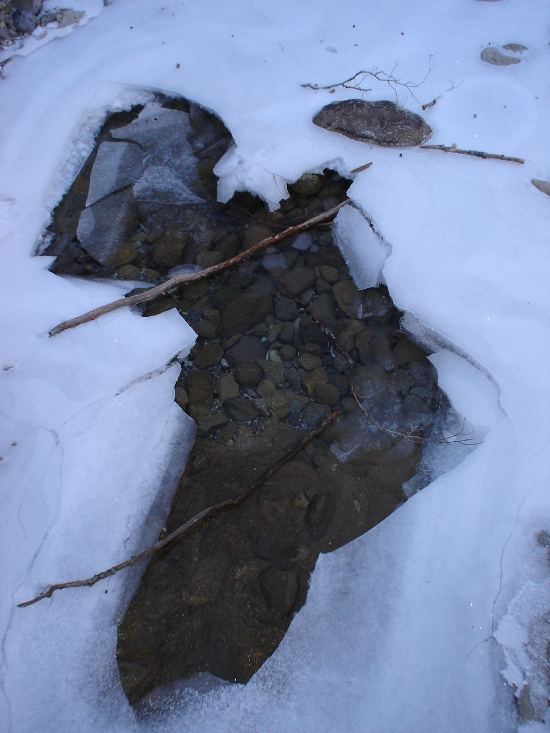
[[463, 437], [193, 522], [185, 278], [330, 336], [474, 153]]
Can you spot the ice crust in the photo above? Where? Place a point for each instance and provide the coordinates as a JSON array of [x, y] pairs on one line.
[[409, 627]]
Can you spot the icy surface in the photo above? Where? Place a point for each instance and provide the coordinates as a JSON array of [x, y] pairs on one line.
[[364, 251], [409, 627], [116, 166]]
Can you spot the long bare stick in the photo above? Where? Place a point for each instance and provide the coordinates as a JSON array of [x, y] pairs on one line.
[[194, 276], [475, 153], [185, 528]]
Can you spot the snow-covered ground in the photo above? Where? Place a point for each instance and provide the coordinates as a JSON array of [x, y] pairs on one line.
[[433, 620]]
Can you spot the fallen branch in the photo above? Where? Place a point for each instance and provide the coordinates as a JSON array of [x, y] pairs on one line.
[[183, 279], [191, 523], [330, 336], [475, 153], [361, 168], [463, 437]]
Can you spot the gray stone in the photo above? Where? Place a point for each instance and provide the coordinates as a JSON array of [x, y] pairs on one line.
[[543, 186], [226, 387], [240, 409], [24, 21], [266, 387], [280, 588], [244, 312], [247, 348], [314, 414], [70, 17], [309, 362], [205, 329], [515, 47], [207, 356], [255, 233], [298, 280], [104, 228], [116, 165], [248, 374], [287, 352], [302, 242], [382, 122], [495, 56], [206, 418], [317, 376], [310, 330], [326, 394], [181, 397], [287, 333], [285, 309], [273, 371], [317, 510], [308, 184], [348, 298], [200, 388], [169, 249]]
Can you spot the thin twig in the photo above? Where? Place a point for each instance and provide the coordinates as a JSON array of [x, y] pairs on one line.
[[361, 168], [475, 153], [330, 336], [429, 104], [194, 276], [355, 81], [463, 436], [191, 523]]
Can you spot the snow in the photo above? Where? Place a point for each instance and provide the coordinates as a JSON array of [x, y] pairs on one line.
[[409, 627]]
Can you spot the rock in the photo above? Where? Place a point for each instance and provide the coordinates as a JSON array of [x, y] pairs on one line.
[[255, 233], [371, 383], [310, 330], [309, 362], [244, 312], [287, 352], [205, 329], [248, 374], [24, 21], [302, 242], [128, 272], [206, 418], [348, 298], [324, 309], [181, 397], [402, 381], [105, 227], [207, 356], [309, 184], [543, 186], [326, 394], [405, 351], [317, 376], [382, 122], [70, 17], [285, 309], [280, 402], [266, 387], [170, 248], [116, 166], [301, 501], [287, 333], [515, 47], [495, 56], [328, 273], [240, 409], [374, 305], [200, 388], [247, 348], [273, 371], [280, 588], [294, 378], [226, 387], [317, 510], [31, 6], [314, 414], [298, 280], [208, 259]]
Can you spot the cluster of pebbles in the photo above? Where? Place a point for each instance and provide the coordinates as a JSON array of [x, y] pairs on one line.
[[260, 378]]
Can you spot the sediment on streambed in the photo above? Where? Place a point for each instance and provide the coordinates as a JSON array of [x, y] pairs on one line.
[[262, 375]]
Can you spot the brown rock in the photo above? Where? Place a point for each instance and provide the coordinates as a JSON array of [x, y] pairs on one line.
[[170, 248], [317, 376], [244, 312], [207, 356]]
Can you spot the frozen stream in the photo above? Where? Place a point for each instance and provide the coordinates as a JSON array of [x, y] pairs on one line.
[[435, 620]]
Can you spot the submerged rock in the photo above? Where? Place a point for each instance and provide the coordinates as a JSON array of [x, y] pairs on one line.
[[382, 123]]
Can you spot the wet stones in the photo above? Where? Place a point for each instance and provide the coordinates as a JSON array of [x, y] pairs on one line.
[[382, 123], [260, 377]]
